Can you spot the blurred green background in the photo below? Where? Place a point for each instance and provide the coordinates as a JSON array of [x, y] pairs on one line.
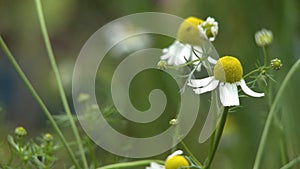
[[71, 22]]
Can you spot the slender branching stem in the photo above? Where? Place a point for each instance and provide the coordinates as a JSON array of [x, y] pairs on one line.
[[265, 55], [272, 111], [131, 164], [218, 136], [38, 99], [291, 164], [186, 148], [58, 80]]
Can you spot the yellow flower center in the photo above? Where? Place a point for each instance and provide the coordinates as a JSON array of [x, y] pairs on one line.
[[228, 69], [208, 31], [176, 162], [188, 31]]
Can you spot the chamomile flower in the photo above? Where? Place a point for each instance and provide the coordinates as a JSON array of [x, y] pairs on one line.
[[173, 161], [228, 74], [276, 64], [263, 37], [209, 28], [187, 46]]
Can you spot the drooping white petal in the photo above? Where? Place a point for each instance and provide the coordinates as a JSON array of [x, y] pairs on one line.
[[174, 55], [211, 60], [175, 153], [248, 91], [211, 86], [200, 82], [154, 165], [229, 94], [165, 50]]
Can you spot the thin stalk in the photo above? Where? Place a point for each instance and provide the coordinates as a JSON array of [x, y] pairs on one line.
[[58, 80], [272, 111], [283, 154], [92, 152], [131, 164], [211, 145], [291, 164], [185, 64], [191, 154], [38, 100], [253, 71], [265, 55], [218, 137]]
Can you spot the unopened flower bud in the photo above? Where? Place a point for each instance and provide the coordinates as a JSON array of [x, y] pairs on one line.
[[276, 64], [263, 37], [83, 97], [20, 131], [48, 137], [162, 65], [173, 122]]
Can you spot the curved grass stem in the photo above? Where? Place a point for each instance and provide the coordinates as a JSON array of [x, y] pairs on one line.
[[191, 154], [131, 164], [272, 111], [218, 136], [291, 164], [58, 80], [38, 99]]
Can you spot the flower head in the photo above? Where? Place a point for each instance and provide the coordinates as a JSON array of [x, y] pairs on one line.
[[173, 121], [209, 28], [187, 46], [20, 131], [173, 161], [276, 64], [263, 37], [228, 73], [48, 137], [228, 69], [188, 32], [179, 53]]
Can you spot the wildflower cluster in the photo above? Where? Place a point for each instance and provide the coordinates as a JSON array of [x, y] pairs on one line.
[[190, 47], [32, 154], [193, 49]]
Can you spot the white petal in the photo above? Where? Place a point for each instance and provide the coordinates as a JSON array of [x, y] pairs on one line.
[[248, 91], [211, 86], [185, 52], [199, 66], [212, 60], [165, 50], [174, 55], [154, 165], [200, 82], [229, 94], [175, 153]]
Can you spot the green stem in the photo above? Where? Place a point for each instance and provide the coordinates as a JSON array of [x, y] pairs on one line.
[[218, 137], [283, 154], [291, 163], [25, 165], [211, 144], [265, 55], [253, 71], [131, 164], [191, 154], [263, 139], [185, 64], [58, 80], [92, 151], [38, 99]]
